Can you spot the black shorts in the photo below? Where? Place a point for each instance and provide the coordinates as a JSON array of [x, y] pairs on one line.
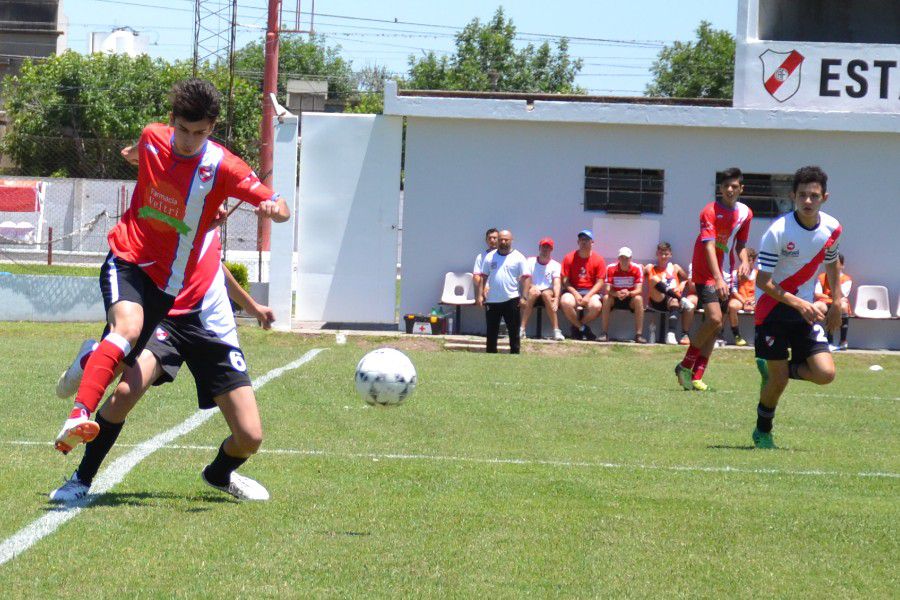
[[121, 280], [619, 304], [217, 367], [662, 306], [804, 340]]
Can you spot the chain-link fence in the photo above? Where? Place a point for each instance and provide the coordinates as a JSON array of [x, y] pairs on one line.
[[81, 210]]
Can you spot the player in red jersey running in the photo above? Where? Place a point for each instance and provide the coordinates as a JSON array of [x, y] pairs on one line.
[[724, 229], [791, 251], [183, 178]]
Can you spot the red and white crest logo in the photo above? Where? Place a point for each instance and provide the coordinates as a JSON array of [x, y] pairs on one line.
[[790, 246], [161, 334], [205, 173], [781, 73], [770, 340]]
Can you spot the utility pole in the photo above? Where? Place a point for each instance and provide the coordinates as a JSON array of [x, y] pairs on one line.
[[266, 134]]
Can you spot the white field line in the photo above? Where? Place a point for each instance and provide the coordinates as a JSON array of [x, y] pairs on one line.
[[752, 394], [539, 462], [116, 472]]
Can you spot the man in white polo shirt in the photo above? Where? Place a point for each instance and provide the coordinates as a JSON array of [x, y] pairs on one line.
[[502, 270], [545, 287]]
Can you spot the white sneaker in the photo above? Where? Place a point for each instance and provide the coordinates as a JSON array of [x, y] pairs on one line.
[[73, 489], [68, 382], [686, 304], [76, 430], [671, 339], [241, 487], [522, 335], [558, 335]]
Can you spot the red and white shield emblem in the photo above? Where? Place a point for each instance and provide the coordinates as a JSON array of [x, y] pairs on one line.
[[781, 73], [205, 173], [790, 246], [161, 334]]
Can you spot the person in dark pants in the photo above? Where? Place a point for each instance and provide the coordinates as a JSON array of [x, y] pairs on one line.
[[502, 270]]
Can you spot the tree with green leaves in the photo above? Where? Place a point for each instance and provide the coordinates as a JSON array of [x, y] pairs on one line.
[[697, 69], [70, 114], [299, 58], [487, 59]]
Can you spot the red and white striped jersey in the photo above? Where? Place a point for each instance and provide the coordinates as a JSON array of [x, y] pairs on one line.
[[209, 264], [174, 203], [792, 254], [725, 226]]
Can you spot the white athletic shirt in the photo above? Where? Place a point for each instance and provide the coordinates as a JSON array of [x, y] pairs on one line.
[[503, 273], [542, 276], [792, 254], [479, 260]]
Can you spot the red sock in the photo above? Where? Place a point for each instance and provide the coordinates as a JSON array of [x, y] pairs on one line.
[[101, 369], [699, 367], [690, 357]]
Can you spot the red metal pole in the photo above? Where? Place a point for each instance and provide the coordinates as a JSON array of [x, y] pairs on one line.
[[267, 134], [50, 246]]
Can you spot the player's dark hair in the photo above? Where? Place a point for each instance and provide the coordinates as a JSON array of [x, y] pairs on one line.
[[811, 174], [195, 100], [732, 173], [840, 258], [664, 246], [490, 231]]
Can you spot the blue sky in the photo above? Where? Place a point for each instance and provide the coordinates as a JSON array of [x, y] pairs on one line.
[[621, 38]]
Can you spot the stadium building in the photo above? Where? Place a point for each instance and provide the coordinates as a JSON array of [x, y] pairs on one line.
[[816, 82]]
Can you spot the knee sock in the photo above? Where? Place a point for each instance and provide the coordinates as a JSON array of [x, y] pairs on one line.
[[218, 472], [100, 370], [735, 332], [673, 320], [764, 418], [845, 325], [95, 452], [690, 357], [700, 367]]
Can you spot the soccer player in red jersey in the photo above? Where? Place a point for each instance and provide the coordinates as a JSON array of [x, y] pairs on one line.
[[724, 229], [183, 178], [791, 251]]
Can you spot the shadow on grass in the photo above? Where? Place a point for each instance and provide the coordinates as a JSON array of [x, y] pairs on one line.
[[141, 499], [751, 447]]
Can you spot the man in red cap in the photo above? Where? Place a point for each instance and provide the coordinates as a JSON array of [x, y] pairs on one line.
[[545, 288]]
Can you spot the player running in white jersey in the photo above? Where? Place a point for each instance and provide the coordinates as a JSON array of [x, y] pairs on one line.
[[789, 257]]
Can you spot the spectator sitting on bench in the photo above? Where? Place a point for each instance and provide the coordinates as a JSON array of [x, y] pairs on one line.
[[743, 297], [545, 288], [666, 283], [584, 281], [823, 301], [626, 282]]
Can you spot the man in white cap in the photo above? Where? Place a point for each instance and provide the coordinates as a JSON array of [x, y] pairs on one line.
[[545, 288], [625, 280]]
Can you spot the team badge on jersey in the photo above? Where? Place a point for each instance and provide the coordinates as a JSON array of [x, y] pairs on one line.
[[205, 173], [769, 341], [161, 334]]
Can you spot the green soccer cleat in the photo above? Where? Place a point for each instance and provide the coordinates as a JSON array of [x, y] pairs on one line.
[[684, 376], [763, 367], [763, 441]]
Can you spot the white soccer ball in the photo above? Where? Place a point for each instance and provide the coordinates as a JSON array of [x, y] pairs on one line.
[[385, 377]]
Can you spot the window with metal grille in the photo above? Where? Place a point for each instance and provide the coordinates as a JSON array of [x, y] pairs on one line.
[[767, 195], [619, 190]]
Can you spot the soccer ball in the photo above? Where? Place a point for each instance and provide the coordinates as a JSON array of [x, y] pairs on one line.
[[385, 377]]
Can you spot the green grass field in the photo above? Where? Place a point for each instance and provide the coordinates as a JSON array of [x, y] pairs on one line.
[[573, 470], [32, 269]]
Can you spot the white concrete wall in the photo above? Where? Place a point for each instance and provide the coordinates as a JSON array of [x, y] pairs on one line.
[[348, 218], [465, 175]]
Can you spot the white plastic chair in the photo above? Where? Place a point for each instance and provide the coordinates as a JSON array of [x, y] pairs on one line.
[[875, 295], [459, 291]]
